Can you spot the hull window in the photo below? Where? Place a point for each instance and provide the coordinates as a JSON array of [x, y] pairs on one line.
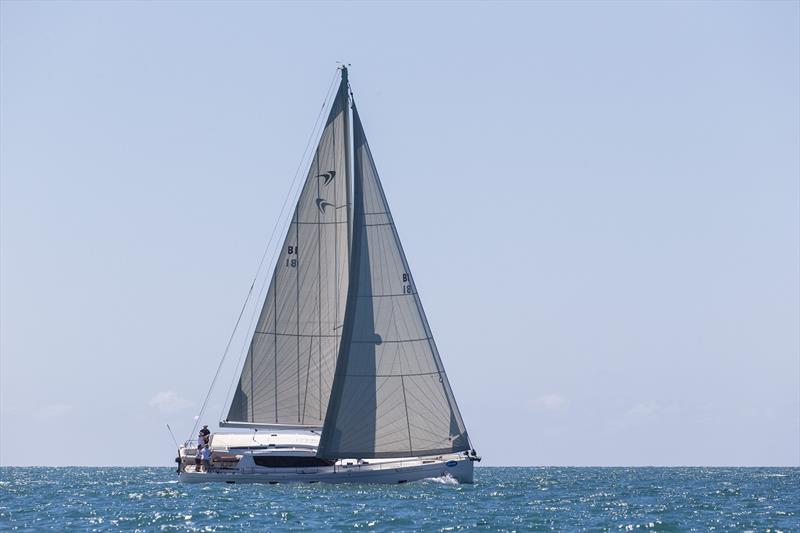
[[285, 461]]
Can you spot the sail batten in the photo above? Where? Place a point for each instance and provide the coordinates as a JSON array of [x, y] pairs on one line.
[[390, 396]]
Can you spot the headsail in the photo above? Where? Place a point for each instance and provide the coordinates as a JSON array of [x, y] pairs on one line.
[[286, 378], [390, 397]]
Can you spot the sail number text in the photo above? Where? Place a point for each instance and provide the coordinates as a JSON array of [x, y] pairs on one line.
[[291, 261], [407, 288]]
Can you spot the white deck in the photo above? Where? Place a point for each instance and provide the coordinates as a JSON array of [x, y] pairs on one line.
[[229, 441]]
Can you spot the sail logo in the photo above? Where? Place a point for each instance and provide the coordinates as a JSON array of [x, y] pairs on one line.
[[322, 203], [327, 176]]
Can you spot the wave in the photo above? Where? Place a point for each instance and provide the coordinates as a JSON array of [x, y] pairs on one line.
[[445, 479]]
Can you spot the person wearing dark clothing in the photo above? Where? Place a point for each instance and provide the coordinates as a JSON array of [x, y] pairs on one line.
[[206, 434]]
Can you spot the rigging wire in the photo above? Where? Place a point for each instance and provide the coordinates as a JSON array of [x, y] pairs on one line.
[[261, 263]]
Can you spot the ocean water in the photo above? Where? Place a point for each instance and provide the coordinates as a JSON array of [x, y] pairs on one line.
[[502, 499]]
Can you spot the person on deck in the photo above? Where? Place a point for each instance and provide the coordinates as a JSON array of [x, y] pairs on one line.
[[206, 458], [198, 458], [205, 433]]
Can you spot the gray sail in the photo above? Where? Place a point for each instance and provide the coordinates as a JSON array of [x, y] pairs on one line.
[[287, 375], [390, 397]]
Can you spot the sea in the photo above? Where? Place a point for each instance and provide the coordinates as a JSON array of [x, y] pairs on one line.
[[502, 499]]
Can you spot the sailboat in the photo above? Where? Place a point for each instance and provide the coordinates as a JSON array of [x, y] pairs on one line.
[[342, 381]]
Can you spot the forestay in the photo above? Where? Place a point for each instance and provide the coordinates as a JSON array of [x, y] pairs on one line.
[[390, 397], [287, 375]]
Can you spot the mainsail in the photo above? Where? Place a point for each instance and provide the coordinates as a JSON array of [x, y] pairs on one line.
[[286, 377], [390, 397]]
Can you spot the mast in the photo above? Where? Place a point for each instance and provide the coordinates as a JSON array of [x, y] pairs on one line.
[[348, 135]]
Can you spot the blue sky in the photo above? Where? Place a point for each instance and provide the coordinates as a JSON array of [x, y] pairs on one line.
[[600, 203]]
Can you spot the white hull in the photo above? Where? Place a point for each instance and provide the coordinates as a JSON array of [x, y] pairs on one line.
[[290, 457], [459, 468]]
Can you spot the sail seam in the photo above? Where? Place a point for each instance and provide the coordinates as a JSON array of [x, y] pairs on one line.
[[275, 325], [391, 342], [293, 334], [252, 394], [385, 295], [297, 296], [319, 300], [308, 374], [392, 375], [405, 404]]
